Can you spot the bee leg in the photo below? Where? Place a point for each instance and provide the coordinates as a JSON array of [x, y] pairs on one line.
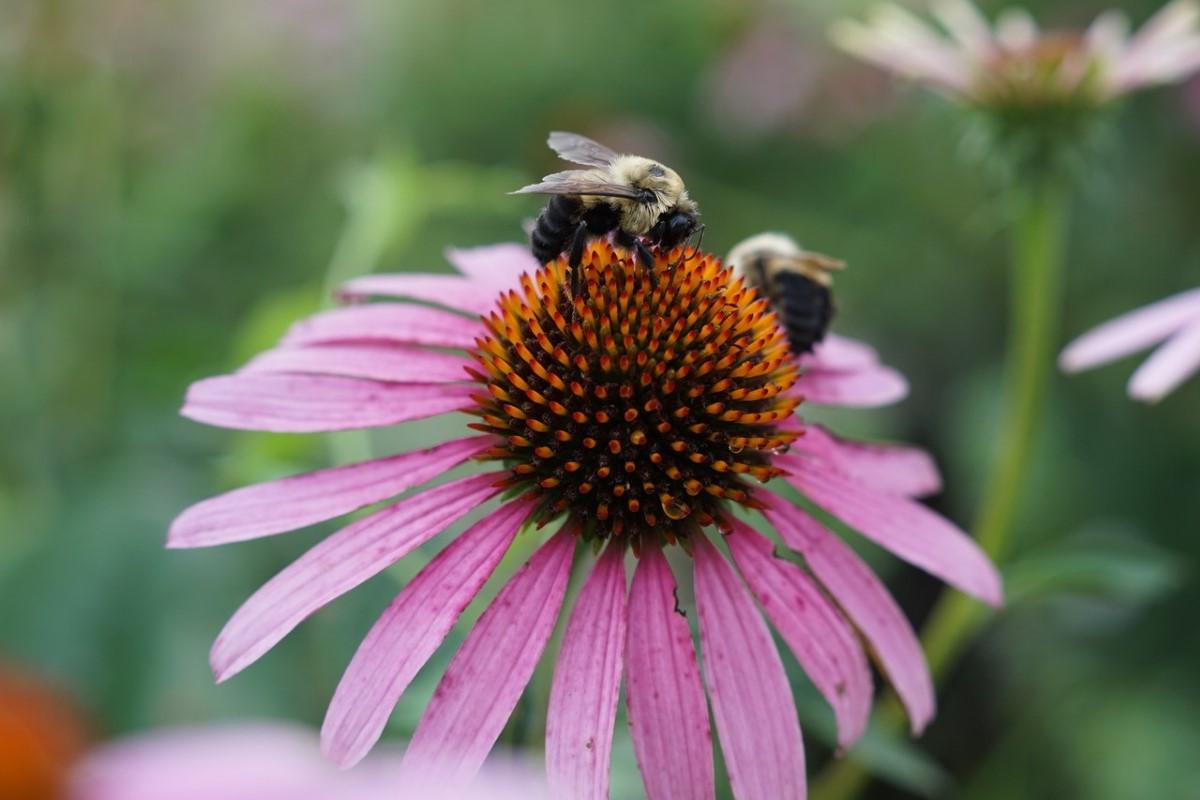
[[575, 261]]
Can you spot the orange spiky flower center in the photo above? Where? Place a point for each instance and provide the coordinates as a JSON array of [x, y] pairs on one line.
[[643, 406]]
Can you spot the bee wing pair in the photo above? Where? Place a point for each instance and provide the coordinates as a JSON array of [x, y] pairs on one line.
[[580, 150]]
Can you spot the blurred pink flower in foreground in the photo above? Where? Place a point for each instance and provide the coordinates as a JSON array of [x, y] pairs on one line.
[[266, 761], [1013, 64], [638, 413], [1175, 321]]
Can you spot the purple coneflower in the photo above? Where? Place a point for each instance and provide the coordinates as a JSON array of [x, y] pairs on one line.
[[1175, 321], [631, 421], [1015, 65]]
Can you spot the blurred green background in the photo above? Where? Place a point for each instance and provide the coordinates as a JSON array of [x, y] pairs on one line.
[[179, 180]]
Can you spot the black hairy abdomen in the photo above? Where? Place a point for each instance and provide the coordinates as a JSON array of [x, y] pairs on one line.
[[805, 308], [554, 227]]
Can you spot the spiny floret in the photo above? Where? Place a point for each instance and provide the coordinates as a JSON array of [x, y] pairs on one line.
[[642, 405]]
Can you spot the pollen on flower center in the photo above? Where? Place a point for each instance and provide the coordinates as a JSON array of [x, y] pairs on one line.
[[643, 405]]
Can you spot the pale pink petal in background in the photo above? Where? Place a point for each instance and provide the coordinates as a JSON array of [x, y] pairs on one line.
[[496, 266], [411, 629], [338, 564], [907, 529], [249, 760], [489, 672], [840, 354], [668, 715], [300, 500], [394, 363], [1131, 332], [451, 291], [822, 641], [751, 699], [403, 323], [1169, 366], [864, 387], [966, 24], [867, 603], [587, 681], [315, 403]]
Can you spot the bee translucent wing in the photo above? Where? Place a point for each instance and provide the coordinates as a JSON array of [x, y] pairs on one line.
[[580, 182], [580, 149]]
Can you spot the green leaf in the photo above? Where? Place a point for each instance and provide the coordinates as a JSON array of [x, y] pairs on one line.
[[1108, 566]]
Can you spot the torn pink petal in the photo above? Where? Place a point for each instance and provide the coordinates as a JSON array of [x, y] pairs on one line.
[[315, 403], [498, 266], [451, 291], [863, 388], [489, 672], [403, 323], [392, 363], [865, 601], [338, 564], [907, 529], [1131, 332], [1171, 365], [752, 701], [409, 632], [668, 716], [300, 500], [889, 468], [587, 681], [824, 644]]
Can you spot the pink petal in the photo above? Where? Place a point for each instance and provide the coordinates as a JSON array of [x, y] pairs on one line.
[[966, 24], [668, 716], [403, 323], [447, 290], [397, 364], [865, 601], [489, 672], [839, 354], [315, 403], [906, 528], [587, 680], [409, 632], [1132, 332], [864, 388], [499, 266], [1171, 365], [299, 500], [888, 468], [338, 564], [752, 701], [824, 644]]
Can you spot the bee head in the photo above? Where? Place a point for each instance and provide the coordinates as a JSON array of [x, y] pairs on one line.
[[668, 196]]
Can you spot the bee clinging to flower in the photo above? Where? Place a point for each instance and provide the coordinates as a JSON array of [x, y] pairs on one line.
[[642, 202], [796, 282]]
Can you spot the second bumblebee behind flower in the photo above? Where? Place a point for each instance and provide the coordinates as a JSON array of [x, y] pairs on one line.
[[797, 283]]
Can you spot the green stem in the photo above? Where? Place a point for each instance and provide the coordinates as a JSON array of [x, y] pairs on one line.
[[1038, 256]]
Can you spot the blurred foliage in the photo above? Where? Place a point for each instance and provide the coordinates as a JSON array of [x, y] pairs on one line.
[[179, 181]]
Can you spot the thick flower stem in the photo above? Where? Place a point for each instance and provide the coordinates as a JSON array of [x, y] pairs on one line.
[[1038, 255]]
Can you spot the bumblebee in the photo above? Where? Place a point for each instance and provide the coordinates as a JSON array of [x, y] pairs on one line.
[[796, 282], [640, 201]]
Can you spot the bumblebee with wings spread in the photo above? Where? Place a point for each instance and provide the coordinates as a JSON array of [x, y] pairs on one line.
[[642, 202]]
